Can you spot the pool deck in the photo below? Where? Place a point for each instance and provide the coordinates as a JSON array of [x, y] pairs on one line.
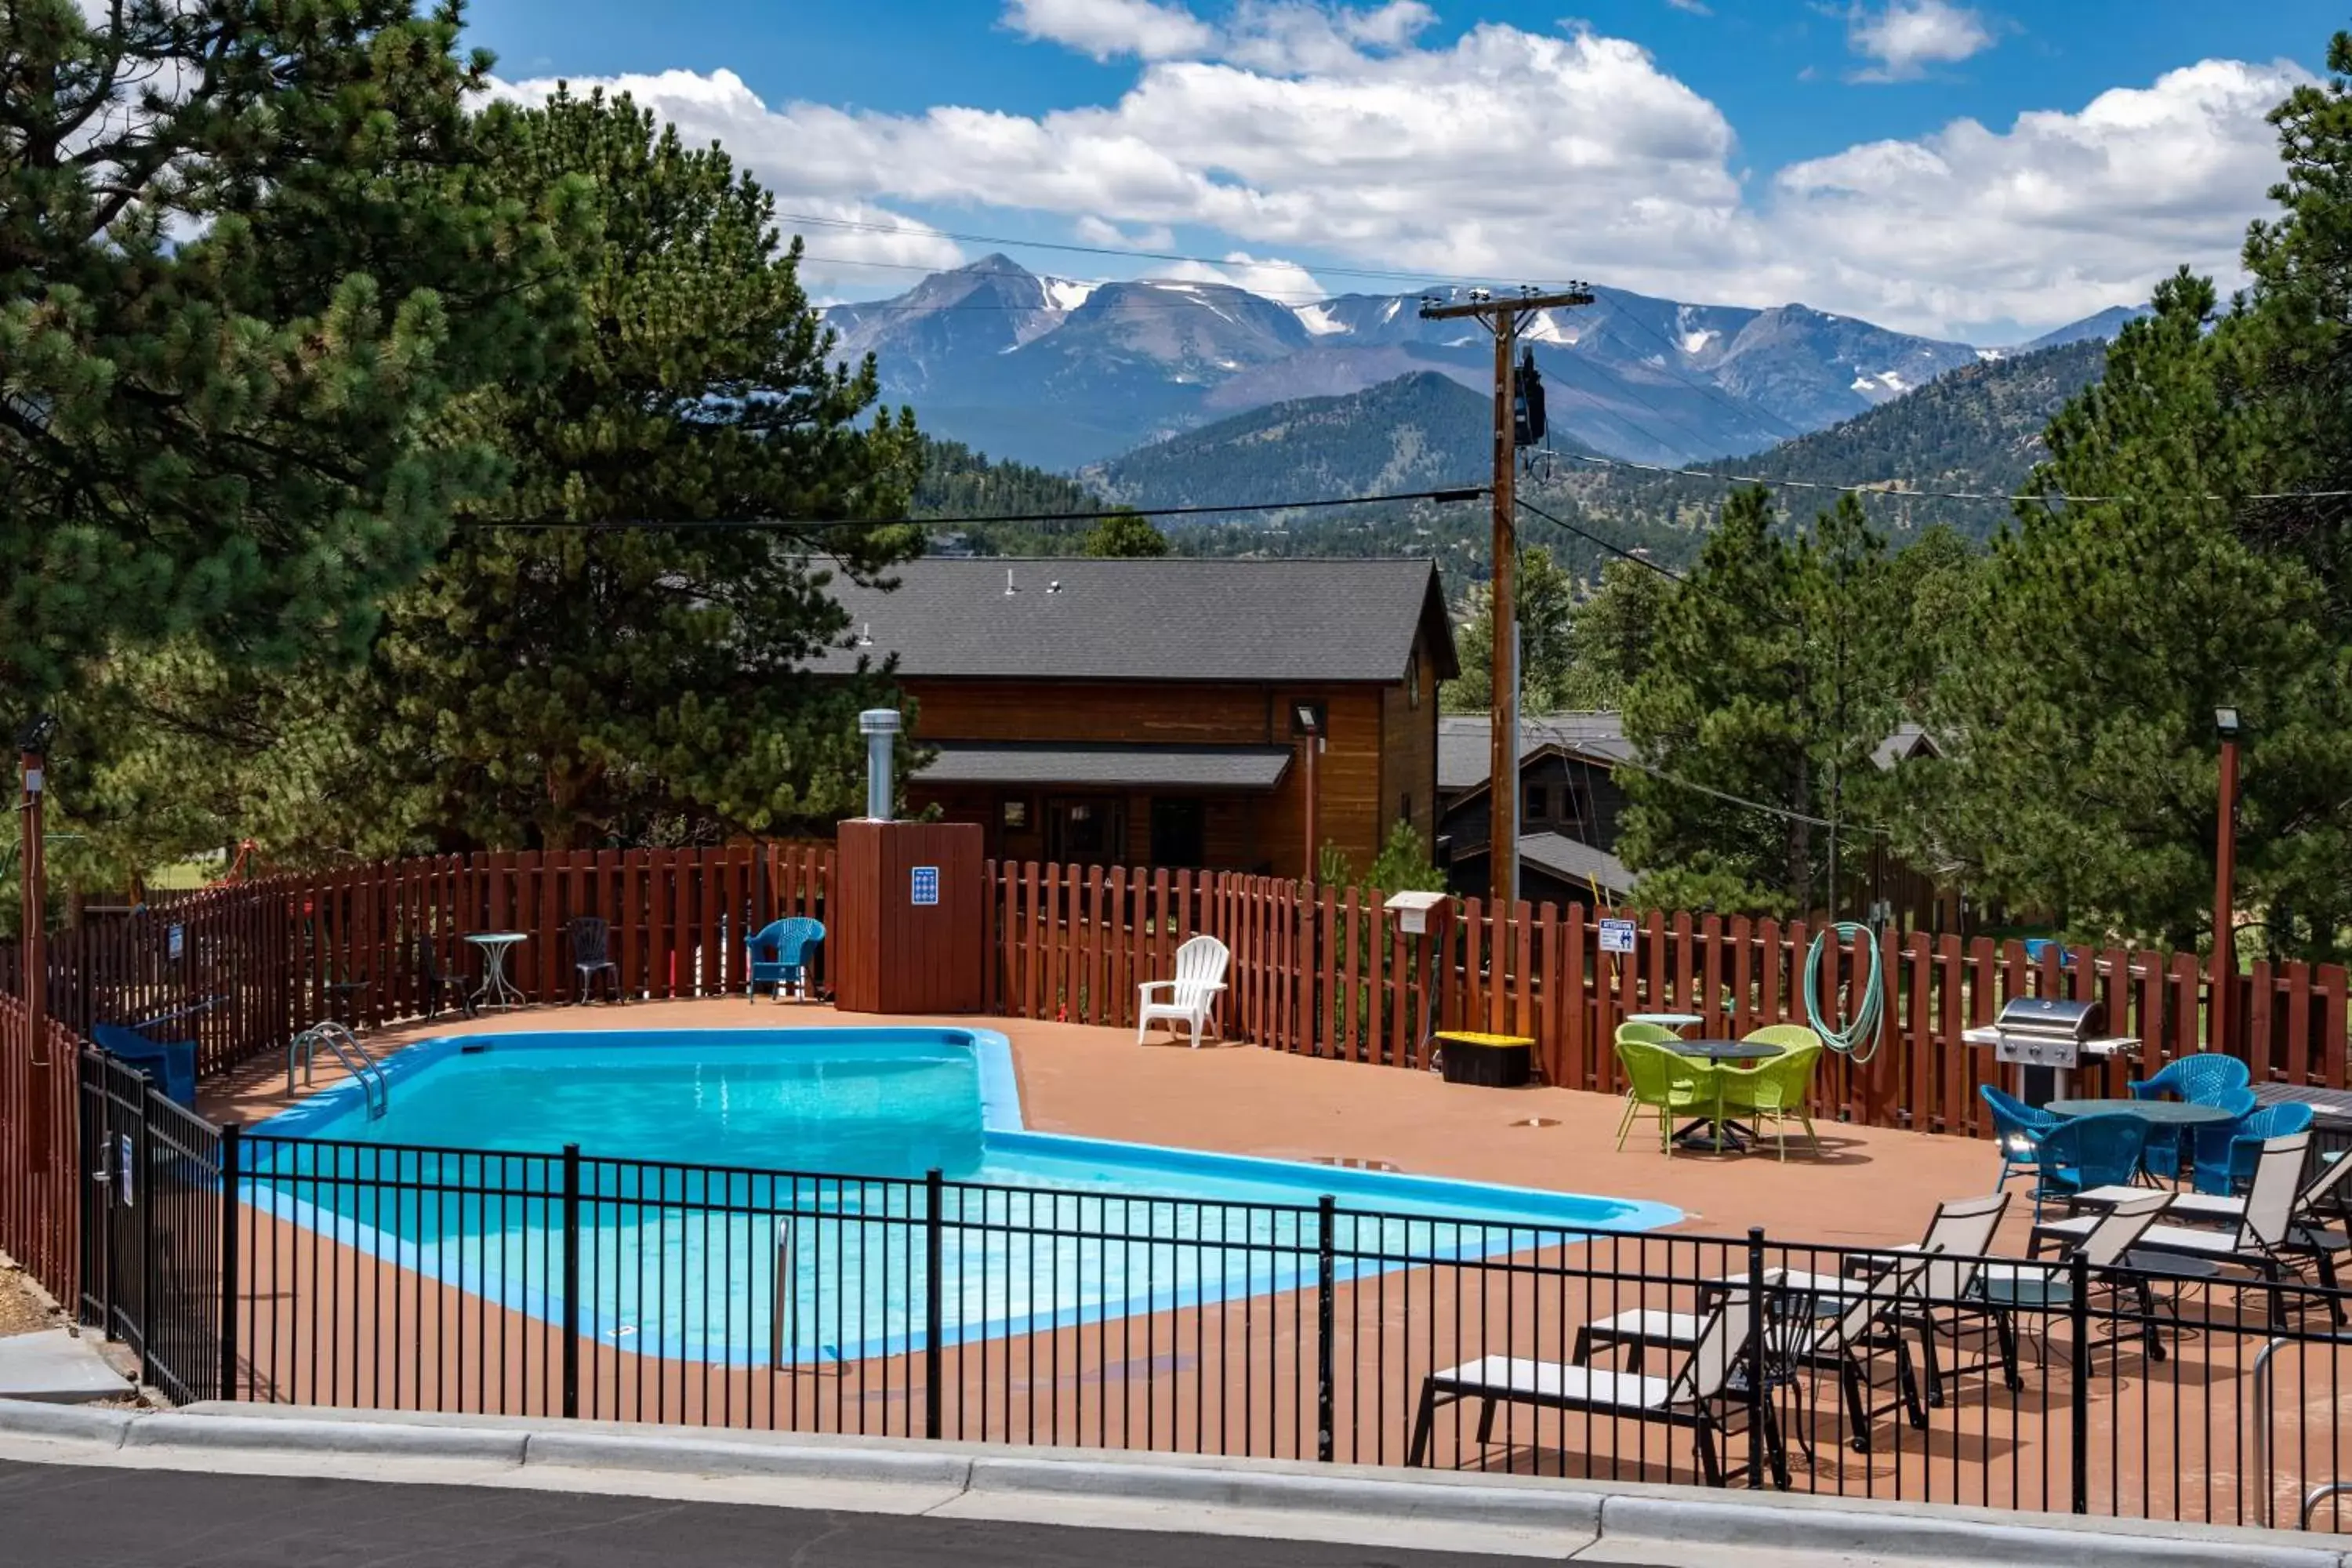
[[1870, 1184]]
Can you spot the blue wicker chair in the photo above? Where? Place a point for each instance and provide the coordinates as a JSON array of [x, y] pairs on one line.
[[2226, 1156], [2202, 1079], [780, 954], [2017, 1131], [2085, 1152]]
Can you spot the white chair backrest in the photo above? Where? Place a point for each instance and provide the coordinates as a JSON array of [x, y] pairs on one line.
[[2270, 1203], [1879, 1296], [1201, 965], [1961, 1235], [1720, 1342], [2121, 1226]]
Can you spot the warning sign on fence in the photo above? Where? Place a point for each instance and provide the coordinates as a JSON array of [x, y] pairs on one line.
[[1616, 936]]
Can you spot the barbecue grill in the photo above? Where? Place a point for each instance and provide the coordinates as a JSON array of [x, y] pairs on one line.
[[2046, 1038]]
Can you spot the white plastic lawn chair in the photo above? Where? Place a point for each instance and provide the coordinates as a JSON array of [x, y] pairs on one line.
[[1201, 965]]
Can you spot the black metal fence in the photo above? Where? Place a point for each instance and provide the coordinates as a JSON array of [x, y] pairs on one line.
[[562, 1284]]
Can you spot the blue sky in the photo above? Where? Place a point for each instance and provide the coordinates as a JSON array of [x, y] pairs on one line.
[[1974, 170]]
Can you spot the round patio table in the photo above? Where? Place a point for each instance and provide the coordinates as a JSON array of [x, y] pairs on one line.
[[1720, 1136], [2159, 1112], [496, 990], [1675, 1021]]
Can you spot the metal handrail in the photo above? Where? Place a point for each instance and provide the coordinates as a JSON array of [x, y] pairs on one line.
[[2261, 1406], [375, 1092]]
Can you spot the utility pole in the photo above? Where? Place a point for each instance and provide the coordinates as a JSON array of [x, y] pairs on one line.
[[40, 1094], [1504, 317]]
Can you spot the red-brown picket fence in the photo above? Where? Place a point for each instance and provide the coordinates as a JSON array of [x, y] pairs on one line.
[[1317, 971]]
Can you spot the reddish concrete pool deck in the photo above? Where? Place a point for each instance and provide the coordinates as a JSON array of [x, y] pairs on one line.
[[1869, 1186]]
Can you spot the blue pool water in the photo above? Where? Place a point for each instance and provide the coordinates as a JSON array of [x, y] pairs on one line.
[[688, 1217]]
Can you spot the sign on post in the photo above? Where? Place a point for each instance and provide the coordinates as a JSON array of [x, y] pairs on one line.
[[926, 889], [1616, 936]]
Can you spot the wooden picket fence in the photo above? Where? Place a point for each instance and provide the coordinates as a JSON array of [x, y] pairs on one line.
[[1329, 972], [41, 1207]]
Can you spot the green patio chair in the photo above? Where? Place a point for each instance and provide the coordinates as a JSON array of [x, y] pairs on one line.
[[1674, 1084], [1648, 1035], [1788, 1036], [1774, 1093]]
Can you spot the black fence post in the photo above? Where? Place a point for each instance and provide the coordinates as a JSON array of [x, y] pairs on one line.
[[934, 1312], [1326, 1271], [571, 1279], [1757, 1393], [2078, 1307], [232, 1144], [143, 1199]]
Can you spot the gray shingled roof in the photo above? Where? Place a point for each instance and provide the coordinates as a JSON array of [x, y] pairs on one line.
[[1174, 619], [1462, 752], [1570, 860], [1138, 767]]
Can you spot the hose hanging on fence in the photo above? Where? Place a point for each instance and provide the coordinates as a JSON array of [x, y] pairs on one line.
[[1859, 1038]]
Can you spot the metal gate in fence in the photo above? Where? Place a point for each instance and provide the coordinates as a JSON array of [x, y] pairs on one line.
[[153, 1206]]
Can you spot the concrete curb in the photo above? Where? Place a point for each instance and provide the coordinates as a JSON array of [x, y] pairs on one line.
[[328, 1437], [35, 1418], [1670, 1516], [703, 1456], [1538, 1507]]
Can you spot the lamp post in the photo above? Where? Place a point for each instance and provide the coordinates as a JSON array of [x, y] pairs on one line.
[[32, 748], [2225, 866], [1307, 720]]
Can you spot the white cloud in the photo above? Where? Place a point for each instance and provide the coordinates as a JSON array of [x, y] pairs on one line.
[[1695, 7], [1384, 155], [1104, 28], [1909, 36], [1284, 282], [2059, 216]]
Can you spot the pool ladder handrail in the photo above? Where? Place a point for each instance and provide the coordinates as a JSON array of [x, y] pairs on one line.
[[375, 1092], [2264, 1386]]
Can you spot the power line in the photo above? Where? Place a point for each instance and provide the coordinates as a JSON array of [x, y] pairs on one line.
[[1638, 558], [807, 525], [1900, 490]]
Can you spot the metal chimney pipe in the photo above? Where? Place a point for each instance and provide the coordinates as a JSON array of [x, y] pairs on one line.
[[880, 728]]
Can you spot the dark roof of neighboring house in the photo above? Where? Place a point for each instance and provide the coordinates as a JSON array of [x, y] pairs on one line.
[[1137, 767], [1173, 618], [1570, 860], [1908, 741], [1463, 752]]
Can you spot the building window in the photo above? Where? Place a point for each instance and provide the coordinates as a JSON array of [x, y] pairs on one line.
[[1179, 833], [1016, 812], [1537, 801]]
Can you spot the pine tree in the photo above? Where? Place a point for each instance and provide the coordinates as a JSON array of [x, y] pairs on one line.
[[1125, 534], [244, 258]]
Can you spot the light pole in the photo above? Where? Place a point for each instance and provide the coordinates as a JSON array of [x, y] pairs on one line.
[[32, 748], [1307, 720], [2225, 866]]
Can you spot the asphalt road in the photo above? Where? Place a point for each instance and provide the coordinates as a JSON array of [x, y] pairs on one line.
[[64, 1516]]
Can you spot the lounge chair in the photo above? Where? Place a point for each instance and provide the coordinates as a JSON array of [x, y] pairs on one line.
[[1959, 1237], [1201, 965], [592, 955], [779, 955], [1674, 1084], [1697, 1397], [2017, 1132], [172, 1064], [2264, 1241], [2006, 1288]]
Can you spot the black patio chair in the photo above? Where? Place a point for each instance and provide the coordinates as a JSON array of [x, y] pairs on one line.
[[435, 983], [592, 955]]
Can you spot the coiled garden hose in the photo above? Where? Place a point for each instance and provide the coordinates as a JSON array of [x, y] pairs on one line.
[[1859, 1039]]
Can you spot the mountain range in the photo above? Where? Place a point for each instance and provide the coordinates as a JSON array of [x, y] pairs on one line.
[[1063, 374]]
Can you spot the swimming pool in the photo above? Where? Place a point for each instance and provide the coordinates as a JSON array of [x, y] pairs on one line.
[[689, 1214]]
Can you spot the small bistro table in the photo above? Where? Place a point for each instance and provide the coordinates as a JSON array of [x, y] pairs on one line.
[[1677, 1022], [1721, 1135], [496, 990]]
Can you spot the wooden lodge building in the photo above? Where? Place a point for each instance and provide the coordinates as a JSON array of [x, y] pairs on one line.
[[1153, 711]]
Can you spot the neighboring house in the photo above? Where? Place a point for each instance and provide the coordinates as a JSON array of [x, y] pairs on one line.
[[1569, 806], [1143, 712]]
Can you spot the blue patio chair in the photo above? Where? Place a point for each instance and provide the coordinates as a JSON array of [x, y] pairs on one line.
[[171, 1063], [780, 954], [2202, 1079], [2227, 1155], [2017, 1130], [2038, 947], [2208, 1147], [2085, 1152]]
